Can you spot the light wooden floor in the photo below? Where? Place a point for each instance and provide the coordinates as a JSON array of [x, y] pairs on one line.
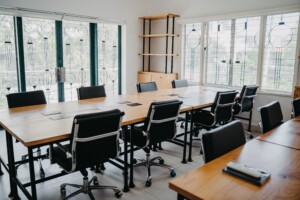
[[112, 176]]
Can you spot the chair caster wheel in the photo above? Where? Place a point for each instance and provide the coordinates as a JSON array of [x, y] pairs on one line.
[[95, 182], [134, 161], [102, 167], [63, 192], [172, 173], [148, 183], [251, 136], [161, 161], [118, 194], [42, 173]]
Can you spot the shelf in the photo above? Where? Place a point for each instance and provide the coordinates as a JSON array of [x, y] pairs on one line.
[[163, 16], [158, 35], [157, 54]]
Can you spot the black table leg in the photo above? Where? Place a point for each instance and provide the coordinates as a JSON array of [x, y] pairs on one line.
[[185, 138], [12, 170], [32, 174], [131, 183], [180, 197], [125, 172], [191, 138]]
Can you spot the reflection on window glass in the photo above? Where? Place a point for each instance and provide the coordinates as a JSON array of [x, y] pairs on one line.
[[76, 57], [108, 57], [280, 52], [8, 69], [191, 52], [40, 56]]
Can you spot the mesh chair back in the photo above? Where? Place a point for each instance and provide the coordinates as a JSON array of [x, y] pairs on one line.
[[91, 92], [26, 99], [160, 123], [146, 87], [222, 106], [179, 83], [247, 97], [223, 139], [271, 116], [296, 107], [94, 138]]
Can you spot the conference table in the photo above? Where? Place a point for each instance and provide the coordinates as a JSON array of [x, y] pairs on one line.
[[268, 152], [40, 125]]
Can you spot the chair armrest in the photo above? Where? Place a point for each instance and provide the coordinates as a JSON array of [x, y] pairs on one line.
[[63, 148]]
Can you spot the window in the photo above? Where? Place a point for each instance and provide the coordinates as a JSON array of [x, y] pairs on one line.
[[231, 52], [191, 52], [76, 57], [8, 67], [280, 52], [40, 56], [108, 57]]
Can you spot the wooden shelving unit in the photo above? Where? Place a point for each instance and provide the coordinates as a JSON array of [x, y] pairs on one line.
[[169, 51]]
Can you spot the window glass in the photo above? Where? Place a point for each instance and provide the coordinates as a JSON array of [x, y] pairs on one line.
[[280, 52], [76, 57], [191, 52], [8, 67], [108, 57], [40, 56]]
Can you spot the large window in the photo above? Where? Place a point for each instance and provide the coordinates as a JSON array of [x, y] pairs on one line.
[[233, 55], [8, 67], [40, 56], [280, 52], [76, 57], [108, 57]]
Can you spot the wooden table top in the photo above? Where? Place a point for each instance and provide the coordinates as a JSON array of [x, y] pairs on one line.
[[31, 127], [287, 134], [208, 181]]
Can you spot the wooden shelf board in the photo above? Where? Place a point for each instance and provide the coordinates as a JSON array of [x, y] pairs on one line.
[[163, 16], [157, 54], [159, 35]]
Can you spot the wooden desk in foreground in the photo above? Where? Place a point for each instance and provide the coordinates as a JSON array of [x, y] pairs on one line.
[[208, 181], [287, 134]]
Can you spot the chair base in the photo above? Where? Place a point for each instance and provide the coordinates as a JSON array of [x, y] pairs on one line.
[[151, 162], [87, 188]]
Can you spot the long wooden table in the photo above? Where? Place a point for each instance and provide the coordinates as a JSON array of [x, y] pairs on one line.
[[33, 128], [287, 134], [281, 159]]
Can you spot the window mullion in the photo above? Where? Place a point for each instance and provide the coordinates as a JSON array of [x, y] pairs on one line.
[[297, 61], [231, 55], [262, 35], [202, 71]]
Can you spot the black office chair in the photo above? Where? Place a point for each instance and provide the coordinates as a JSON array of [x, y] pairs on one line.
[[94, 140], [223, 139], [296, 107], [221, 113], [31, 98], [91, 92], [271, 116], [146, 87], [245, 104], [159, 126], [179, 83]]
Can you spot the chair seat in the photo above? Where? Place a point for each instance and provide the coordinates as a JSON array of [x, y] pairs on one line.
[[204, 118]]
